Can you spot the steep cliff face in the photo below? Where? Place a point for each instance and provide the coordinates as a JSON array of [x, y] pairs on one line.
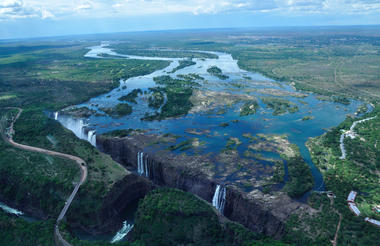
[[255, 216], [128, 190], [167, 170]]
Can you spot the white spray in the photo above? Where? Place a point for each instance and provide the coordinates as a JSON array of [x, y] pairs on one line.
[[142, 164], [10, 210], [219, 198], [122, 232], [91, 137]]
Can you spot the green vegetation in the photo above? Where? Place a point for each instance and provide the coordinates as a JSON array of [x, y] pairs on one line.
[[278, 172], [358, 172], [65, 232], [15, 231], [82, 112], [338, 64], [307, 117], [131, 96], [319, 63], [32, 128], [183, 64], [300, 177], [128, 49], [182, 146], [279, 106], [156, 99], [121, 109], [62, 77], [178, 93], [188, 221], [51, 79], [217, 72], [190, 76], [224, 124], [249, 108], [35, 174], [313, 229], [341, 99], [233, 143]]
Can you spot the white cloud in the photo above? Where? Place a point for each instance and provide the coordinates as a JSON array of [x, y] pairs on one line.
[[11, 9], [46, 14], [16, 9]]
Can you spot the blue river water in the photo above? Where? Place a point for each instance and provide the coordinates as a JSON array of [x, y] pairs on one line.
[[205, 118]]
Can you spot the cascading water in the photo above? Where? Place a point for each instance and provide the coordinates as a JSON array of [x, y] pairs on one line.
[[78, 127], [10, 210], [219, 198], [139, 167], [146, 167], [122, 232], [142, 164], [91, 137]]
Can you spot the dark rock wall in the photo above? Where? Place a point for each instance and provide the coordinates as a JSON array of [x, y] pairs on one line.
[[123, 193], [163, 172]]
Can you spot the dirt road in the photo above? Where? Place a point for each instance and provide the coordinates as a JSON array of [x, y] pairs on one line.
[[81, 163]]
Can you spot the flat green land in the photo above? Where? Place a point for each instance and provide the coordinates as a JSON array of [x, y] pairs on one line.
[[141, 50], [343, 69]]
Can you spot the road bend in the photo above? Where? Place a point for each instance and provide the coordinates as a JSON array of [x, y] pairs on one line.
[[59, 240]]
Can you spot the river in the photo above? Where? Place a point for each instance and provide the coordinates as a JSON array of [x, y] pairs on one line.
[[325, 114]]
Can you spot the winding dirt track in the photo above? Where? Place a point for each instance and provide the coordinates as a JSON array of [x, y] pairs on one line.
[[81, 163], [334, 242]]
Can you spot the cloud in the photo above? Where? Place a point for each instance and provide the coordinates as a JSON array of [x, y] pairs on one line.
[[12, 9], [84, 6], [16, 9]]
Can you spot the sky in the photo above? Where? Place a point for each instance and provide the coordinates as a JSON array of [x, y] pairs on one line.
[[34, 18]]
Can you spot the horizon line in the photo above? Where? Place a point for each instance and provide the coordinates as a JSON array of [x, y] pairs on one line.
[[274, 27]]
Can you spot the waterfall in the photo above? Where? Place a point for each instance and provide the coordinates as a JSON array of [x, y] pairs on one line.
[[139, 166], [146, 167], [91, 137], [122, 232], [10, 210], [56, 115], [78, 127], [219, 198], [142, 164]]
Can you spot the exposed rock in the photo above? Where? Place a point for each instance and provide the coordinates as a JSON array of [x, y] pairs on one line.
[[205, 101], [193, 174]]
